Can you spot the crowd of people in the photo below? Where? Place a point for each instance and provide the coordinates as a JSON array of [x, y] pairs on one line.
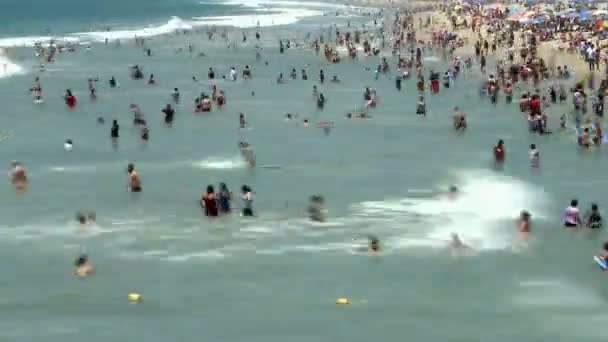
[[517, 66]]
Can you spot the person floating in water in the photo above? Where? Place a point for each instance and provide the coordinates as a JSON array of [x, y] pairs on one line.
[[83, 266]]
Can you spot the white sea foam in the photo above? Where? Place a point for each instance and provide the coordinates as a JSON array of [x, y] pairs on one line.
[[210, 254], [278, 16], [218, 163], [7, 67], [28, 41], [269, 15], [485, 205], [173, 25], [263, 3]]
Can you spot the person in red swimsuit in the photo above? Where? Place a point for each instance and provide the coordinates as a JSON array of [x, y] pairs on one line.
[[70, 100], [535, 105], [209, 202], [499, 151]]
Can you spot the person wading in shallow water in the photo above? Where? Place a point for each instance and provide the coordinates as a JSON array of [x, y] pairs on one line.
[[134, 181]]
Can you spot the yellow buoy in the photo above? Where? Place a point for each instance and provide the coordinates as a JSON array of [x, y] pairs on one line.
[[134, 297], [342, 301]]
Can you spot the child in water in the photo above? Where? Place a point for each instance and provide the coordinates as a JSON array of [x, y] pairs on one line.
[[594, 218]]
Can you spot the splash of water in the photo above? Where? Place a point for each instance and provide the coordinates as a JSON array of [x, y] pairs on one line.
[[483, 212]]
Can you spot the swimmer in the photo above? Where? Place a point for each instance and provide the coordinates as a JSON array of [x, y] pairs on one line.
[[134, 181], [374, 244], [175, 95], [290, 116], [594, 218], [360, 115], [499, 152], [68, 145], [86, 217], [453, 192], [335, 79], [572, 217], [18, 175], [247, 201], [83, 267], [242, 122], [605, 255], [315, 208], [456, 244], [523, 225], [421, 106], [247, 153]]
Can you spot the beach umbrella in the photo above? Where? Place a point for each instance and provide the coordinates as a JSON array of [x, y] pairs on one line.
[[516, 9], [584, 15], [540, 19], [567, 13]]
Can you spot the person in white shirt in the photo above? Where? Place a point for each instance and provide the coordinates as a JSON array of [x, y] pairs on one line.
[[534, 156]]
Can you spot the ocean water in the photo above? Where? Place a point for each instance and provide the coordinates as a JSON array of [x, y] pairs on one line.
[[277, 276]]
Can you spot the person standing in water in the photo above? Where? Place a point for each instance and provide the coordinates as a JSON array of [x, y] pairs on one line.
[[594, 218], [242, 122], [169, 114], [534, 156], [223, 199], [457, 245], [70, 99], [247, 153], [499, 152], [134, 180], [209, 202], [523, 225], [83, 266], [115, 130], [247, 200], [572, 218], [18, 175]]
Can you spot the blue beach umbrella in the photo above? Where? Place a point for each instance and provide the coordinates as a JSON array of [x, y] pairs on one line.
[[584, 15]]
